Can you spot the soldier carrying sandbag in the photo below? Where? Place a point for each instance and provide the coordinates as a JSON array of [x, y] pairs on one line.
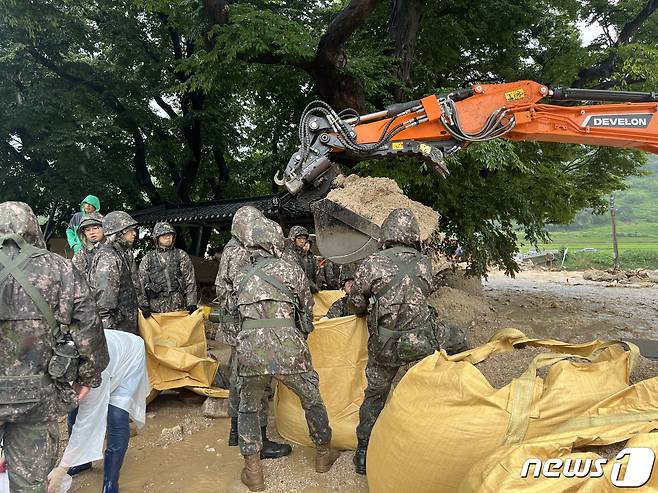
[[391, 287]]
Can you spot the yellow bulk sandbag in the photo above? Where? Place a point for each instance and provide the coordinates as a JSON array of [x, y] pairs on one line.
[[176, 350], [444, 418], [339, 352], [501, 471], [323, 301]]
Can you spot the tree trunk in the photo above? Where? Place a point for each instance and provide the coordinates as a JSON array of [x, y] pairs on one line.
[[403, 32], [338, 88]]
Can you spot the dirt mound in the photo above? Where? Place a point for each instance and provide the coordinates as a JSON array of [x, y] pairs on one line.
[[621, 277], [644, 369], [458, 307], [375, 198], [457, 279], [501, 368]]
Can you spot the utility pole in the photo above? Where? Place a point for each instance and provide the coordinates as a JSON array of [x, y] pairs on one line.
[[615, 248]]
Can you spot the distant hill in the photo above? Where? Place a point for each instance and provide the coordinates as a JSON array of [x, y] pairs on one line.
[[637, 204], [637, 228]]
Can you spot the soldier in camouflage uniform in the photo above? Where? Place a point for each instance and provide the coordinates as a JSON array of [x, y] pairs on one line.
[[340, 308], [234, 258], [91, 236], [40, 294], [166, 276], [296, 253], [397, 282], [276, 312], [113, 274]]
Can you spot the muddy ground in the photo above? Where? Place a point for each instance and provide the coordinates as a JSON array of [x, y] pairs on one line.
[[549, 304]]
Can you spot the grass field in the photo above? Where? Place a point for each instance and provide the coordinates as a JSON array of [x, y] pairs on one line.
[[638, 246]]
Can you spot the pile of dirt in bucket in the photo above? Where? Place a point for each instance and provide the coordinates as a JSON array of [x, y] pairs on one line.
[[375, 198]]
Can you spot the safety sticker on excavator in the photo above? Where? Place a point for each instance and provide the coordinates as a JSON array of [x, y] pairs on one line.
[[425, 149], [515, 95], [640, 120], [397, 146]]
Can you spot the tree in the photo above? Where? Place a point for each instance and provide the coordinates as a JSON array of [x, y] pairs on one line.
[[152, 101]]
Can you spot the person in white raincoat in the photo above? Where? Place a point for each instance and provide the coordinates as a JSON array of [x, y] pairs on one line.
[[121, 395]]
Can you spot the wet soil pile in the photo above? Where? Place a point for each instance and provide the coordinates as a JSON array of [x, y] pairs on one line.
[[375, 198]]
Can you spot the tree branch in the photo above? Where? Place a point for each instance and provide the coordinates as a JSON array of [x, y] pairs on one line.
[[607, 66], [142, 173], [166, 107], [339, 89]]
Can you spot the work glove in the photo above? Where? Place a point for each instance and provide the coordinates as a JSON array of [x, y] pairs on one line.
[[191, 309], [146, 312]]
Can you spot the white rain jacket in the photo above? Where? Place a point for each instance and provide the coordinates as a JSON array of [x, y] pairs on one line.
[[125, 385]]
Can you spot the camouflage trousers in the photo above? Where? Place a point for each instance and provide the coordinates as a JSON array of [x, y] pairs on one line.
[[305, 385], [380, 378], [234, 392], [31, 453]]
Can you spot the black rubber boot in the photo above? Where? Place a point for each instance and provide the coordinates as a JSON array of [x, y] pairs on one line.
[[78, 469], [360, 458], [233, 434], [273, 450]]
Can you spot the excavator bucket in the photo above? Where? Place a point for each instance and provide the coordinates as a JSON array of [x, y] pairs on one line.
[[342, 235]]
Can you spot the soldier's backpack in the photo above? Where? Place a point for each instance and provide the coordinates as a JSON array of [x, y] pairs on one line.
[[302, 323], [414, 343], [63, 364]]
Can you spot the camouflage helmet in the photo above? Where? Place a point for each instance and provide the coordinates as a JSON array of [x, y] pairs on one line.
[[117, 221], [401, 227], [163, 228], [296, 231], [243, 220], [91, 219], [346, 273], [18, 218]]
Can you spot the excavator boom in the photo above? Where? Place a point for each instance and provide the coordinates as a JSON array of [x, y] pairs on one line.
[[437, 126]]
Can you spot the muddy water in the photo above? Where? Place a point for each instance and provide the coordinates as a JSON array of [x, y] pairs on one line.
[[566, 307]]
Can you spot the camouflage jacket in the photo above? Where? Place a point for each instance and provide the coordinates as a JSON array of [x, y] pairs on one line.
[[402, 307], [307, 262], [166, 281], [25, 335], [331, 274], [83, 259], [272, 350], [339, 308], [234, 257], [112, 279]]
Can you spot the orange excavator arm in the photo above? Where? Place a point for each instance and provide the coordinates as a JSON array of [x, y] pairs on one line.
[[437, 126]]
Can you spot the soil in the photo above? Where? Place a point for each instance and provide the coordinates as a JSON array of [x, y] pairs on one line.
[[375, 198], [501, 368], [557, 305]]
